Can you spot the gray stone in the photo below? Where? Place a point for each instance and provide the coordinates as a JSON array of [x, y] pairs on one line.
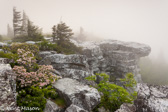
[[4, 60], [127, 108], [102, 109], [74, 108], [72, 66], [115, 58], [3, 44], [52, 107], [152, 98], [77, 93], [7, 89], [30, 42], [43, 54]]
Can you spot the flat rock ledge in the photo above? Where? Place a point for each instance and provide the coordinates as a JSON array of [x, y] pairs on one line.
[[115, 58], [78, 94]]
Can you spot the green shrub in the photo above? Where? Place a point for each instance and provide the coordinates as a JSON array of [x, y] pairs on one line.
[[113, 95], [8, 55], [31, 97], [66, 47], [49, 92], [27, 47], [45, 46], [70, 47], [23, 38], [11, 56], [129, 80], [60, 102], [36, 97]]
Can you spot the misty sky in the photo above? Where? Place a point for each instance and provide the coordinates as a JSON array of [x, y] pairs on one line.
[[144, 21]]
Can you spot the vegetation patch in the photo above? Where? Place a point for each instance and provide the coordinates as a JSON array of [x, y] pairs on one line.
[[33, 81], [66, 48], [60, 102], [113, 95]]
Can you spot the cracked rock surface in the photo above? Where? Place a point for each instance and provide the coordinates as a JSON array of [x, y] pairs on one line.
[[78, 94], [73, 66], [7, 88], [115, 58], [126, 108], [152, 98]]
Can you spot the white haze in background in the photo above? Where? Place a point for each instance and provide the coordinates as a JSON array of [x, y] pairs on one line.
[[144, 21]]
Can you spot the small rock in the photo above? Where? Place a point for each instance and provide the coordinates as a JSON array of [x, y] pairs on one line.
[[4, 60], [102, 109], [74, 108], [126, 108]]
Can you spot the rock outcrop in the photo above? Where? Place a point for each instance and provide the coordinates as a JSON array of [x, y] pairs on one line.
[[76, 93], [152, 98], [7, 88], [72, 66], [116, 58]]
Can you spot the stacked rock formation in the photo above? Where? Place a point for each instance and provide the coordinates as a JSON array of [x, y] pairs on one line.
[[116, 58]]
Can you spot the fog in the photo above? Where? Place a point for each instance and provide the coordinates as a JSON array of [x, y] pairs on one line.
[[144, 21]]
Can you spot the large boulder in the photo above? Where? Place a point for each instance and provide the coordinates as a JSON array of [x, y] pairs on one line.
[[72, 66], [77, 93], [7, 89], [152, 98], [116, 58]]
